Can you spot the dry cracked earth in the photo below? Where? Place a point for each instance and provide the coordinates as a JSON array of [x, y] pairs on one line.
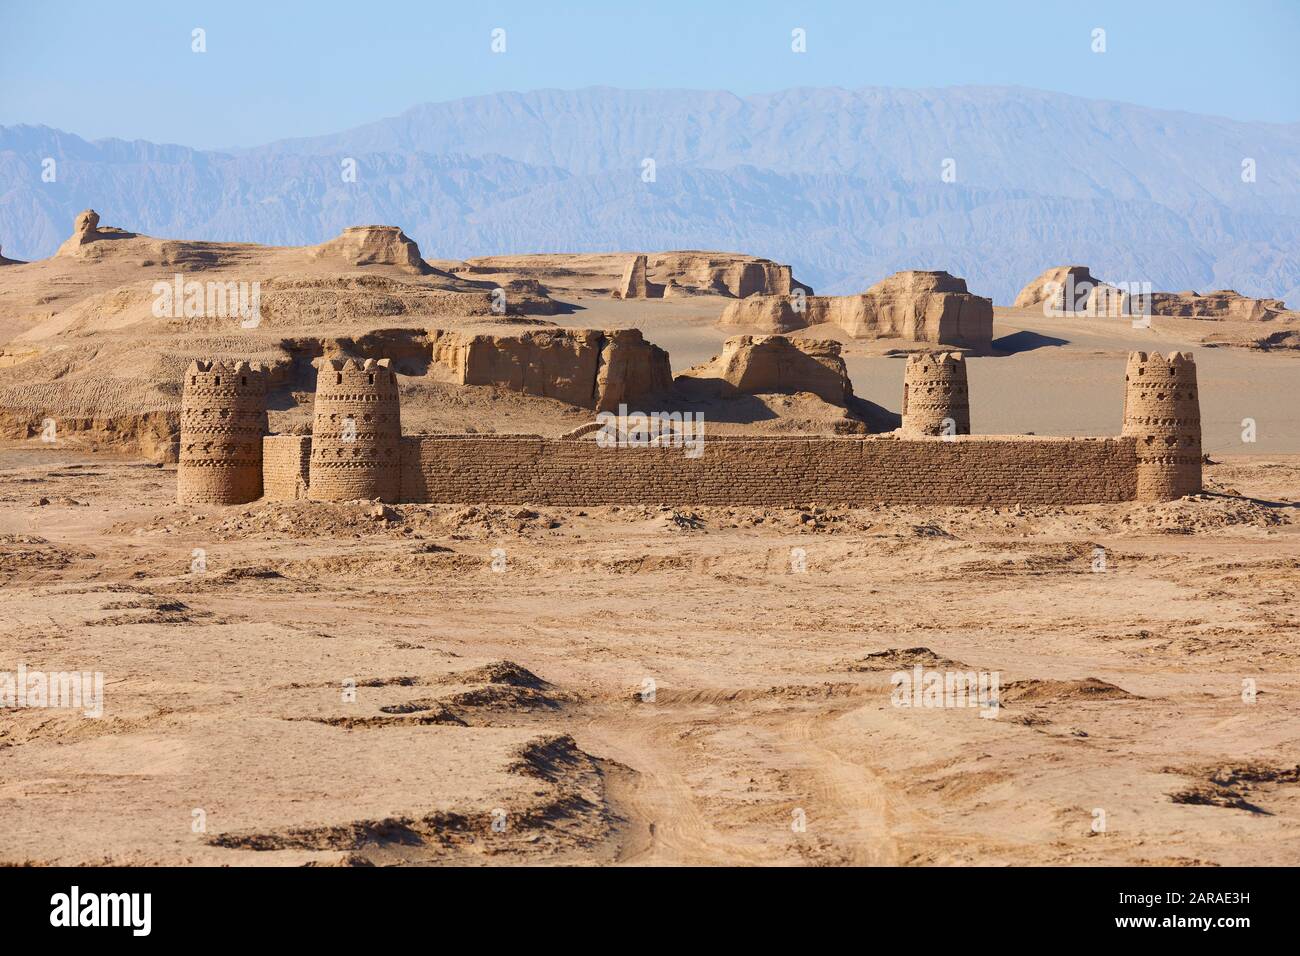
[[355, 684]]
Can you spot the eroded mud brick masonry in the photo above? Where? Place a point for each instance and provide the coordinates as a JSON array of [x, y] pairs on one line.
[[936, 397], [357, 451], [223, 419], [1162, 413], [356, 431]]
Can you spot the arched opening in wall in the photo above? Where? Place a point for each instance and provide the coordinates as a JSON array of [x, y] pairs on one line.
[[217, 380], [339, 379], [372, 378]]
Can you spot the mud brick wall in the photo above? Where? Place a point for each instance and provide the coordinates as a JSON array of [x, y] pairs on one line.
[[285, 462], [778, 472]]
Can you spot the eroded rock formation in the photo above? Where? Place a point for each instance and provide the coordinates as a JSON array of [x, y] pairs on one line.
[[724, 273], [919, 306], [374, 245], [635, 285], [674, 273], [759, 364], [1053, 288], [771, 314], [589, 368], [1222, 305], [86, 230]]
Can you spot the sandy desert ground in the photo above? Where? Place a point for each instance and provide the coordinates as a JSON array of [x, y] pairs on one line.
[[522, 697], [347, 684]]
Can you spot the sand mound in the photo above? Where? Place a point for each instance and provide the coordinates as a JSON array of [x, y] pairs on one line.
[[1230, 786], [897, 659], [23, 556], [502, 672], [1055, 691]]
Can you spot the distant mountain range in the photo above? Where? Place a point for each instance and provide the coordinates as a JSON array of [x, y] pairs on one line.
[[847, 185]]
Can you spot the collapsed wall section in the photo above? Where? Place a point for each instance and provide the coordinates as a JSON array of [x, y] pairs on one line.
[[774, 472]]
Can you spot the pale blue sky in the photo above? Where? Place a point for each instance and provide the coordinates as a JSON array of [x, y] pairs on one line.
[[278, 68]]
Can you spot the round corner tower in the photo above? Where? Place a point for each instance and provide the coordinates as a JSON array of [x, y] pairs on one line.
[[1162, 411], [223, 419], [936, 399], [356, 432]]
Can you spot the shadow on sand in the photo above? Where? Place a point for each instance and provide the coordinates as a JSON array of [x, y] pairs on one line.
[[1026, 341]]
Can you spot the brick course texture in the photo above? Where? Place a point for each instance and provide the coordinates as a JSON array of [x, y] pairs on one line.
[[223, 419], [777, 472], [936, 396], [286, 466], [1162, 413], [355, 431]]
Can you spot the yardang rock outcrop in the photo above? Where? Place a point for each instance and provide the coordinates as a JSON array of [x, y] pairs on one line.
[[374, 245], [635, 284], [1220, 305], [86, 230], [589, 368], [919, 306], [759, 364], [625, 275], [1060, 288]]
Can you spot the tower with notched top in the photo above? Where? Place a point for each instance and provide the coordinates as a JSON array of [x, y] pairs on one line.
[[1162, 413], [223, 419], [356, 432], [936, 398]]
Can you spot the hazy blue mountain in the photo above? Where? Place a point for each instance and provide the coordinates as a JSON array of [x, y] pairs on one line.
[[844, 184]]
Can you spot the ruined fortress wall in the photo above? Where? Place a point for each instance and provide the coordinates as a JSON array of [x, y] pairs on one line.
[[777, 472], [1162, 414], [223, 419], [286, 461], [356, 431]]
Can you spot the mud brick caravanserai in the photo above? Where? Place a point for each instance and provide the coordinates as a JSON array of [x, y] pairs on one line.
[[357, 451]]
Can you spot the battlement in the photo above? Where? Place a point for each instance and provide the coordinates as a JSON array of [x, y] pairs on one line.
[[935, 358], [1176, 360], [350, 364], [228, 366]]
